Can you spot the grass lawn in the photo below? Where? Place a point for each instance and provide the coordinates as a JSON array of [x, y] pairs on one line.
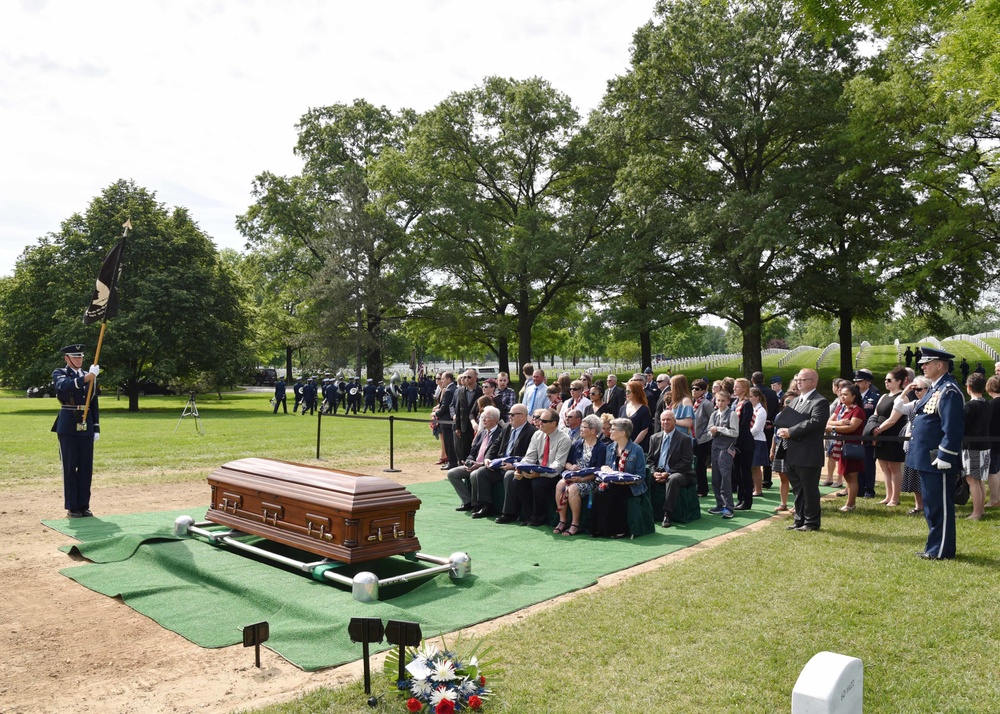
[[149, 445], [729, 630]]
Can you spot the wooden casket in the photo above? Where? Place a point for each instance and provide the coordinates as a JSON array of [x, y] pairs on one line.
[[344, 516]]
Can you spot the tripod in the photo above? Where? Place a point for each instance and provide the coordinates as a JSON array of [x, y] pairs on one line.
[[191, 409]]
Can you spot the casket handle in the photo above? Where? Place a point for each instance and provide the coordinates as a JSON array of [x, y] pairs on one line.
[[272, 511]]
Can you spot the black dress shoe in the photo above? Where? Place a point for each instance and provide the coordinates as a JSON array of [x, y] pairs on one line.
[[464, 507], [87, 513], [741, 507], [74, 514], [484, 513], [925, 556], [666, 523], [804, 529], [792, 527], [767, 484], [506, 518]]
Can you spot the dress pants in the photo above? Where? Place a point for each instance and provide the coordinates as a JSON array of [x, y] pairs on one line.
[[722, 477], [283, 402], [866, 481], [448, 437], [535, 495], [77, 454], [742, 475], [766, 472], [939, 510], [481, 482], [460, 478], [804, 481], [703, 455], [675, 482]]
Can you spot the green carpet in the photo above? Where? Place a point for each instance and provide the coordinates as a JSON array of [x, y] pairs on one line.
[[207, 593]]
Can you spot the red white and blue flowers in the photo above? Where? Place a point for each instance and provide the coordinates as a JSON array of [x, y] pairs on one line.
[[441, 679]]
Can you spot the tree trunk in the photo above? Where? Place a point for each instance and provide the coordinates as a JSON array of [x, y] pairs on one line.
[[523, 342], [645, 348], [373, 355], [288, 362], [751, 329], [845, 337], [503, 354]]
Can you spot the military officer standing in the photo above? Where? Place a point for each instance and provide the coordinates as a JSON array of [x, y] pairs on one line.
[[76, 436], [936, 450]]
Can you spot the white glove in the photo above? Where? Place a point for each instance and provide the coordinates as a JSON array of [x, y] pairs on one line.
[[95, 370], [97, 436], [941, 465]]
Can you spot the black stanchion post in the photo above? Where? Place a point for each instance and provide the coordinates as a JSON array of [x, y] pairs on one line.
[[319, 424], [392, 469]]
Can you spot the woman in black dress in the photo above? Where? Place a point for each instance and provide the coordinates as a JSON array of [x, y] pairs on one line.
[[890, 454]]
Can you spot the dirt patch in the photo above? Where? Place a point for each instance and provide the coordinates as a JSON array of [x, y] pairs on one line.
[[67, 648]]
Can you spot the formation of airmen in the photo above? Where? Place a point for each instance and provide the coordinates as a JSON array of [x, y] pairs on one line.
[[329, 394]]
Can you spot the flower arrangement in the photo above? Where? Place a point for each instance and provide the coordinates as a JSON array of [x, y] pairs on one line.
[[442, 679]]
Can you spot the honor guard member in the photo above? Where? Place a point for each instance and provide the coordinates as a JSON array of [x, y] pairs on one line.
[[936, 450], [280, 396], [309, 397], [297, 391], [76, 436]]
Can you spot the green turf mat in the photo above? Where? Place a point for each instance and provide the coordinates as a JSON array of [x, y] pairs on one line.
[[207, 593]]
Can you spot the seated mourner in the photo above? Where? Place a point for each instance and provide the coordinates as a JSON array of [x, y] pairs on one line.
[[610, 512], [514, 442], [549, 448], [670, 460], [484, 447], [587, 452]]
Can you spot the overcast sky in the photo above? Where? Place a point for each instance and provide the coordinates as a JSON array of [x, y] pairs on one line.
[[194, 99]]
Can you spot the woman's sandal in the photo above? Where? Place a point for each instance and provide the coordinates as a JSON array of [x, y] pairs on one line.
[[560, 527], [572, 530]]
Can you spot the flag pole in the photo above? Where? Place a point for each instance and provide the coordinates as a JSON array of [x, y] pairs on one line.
[[100, 340]]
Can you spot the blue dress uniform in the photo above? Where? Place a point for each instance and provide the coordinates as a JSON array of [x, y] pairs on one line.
[[76, 444], [938, 429]]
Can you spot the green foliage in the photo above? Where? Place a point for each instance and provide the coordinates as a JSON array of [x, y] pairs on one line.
[[721, 107], [505, 193], [347, 259], [182, 310]]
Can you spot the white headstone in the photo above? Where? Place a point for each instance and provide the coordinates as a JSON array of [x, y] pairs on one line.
[[830, 683]]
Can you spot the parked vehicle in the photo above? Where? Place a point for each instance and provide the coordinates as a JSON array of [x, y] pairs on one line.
[[266, 377], [45, 390]]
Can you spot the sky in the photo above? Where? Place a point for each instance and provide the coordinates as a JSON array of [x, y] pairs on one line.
[[192, 100]]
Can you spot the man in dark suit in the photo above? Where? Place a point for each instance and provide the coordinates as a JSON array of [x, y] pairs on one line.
[[444, 413], [513, 441], [935, 451], [671, 461], [614, 396], [805, 455], [465, 398], [484, 447]]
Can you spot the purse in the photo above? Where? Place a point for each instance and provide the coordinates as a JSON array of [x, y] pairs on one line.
[[852, 451]]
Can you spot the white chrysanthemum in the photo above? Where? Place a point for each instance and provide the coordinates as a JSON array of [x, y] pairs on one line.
[[444, 671], [428, 651], [441, 693], [469, 687], [421, 687]]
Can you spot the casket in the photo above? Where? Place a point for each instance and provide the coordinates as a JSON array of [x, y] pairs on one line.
[[337, 514]]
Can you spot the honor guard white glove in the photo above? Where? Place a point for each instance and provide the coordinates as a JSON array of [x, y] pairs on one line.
[[941, 465], [97, 436], [95, 370]]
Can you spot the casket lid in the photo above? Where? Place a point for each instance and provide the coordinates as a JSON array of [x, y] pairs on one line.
[[353, 492]]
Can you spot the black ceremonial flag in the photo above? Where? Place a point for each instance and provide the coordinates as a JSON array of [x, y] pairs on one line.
[[104, 303]]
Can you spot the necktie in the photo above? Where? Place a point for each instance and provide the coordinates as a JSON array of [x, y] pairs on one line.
[[545, 452], [664, 450], [512, 441], [484, 446]]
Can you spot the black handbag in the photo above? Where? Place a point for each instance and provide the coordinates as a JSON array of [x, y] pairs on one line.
[[961, 490], [852, 451]]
